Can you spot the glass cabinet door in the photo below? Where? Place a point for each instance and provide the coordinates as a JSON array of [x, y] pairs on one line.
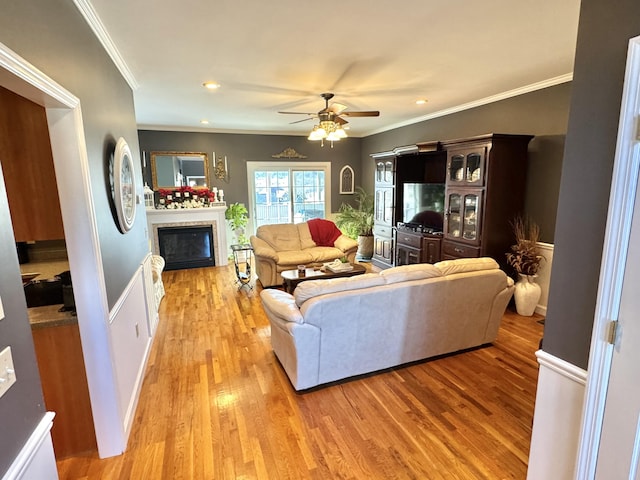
[[463, 215], [388, 171], [453, 215], [470, 223], [466, 167], [379, 172]]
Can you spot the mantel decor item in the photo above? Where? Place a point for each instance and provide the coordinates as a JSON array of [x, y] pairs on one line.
[[221, 168], [124, 186]]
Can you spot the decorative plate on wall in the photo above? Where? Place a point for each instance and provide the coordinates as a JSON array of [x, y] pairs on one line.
[[124, 186]]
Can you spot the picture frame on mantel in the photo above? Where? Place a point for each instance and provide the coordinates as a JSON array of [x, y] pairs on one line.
[[347, 181]]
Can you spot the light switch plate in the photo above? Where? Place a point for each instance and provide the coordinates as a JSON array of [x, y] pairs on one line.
[[7, 372]]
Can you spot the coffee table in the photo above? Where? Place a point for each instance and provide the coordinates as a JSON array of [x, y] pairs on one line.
[[292, 279]]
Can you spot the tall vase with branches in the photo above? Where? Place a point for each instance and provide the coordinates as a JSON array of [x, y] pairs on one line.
[[526, 260]]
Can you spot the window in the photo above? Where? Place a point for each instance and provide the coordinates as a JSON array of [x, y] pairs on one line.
[[288, 192]]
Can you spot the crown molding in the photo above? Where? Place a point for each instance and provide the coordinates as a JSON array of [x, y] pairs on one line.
[[551, 82], [91, 16]]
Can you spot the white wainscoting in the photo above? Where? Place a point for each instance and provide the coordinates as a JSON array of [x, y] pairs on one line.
[[544, 276], [556, 419], [36, 460], [130, 344]]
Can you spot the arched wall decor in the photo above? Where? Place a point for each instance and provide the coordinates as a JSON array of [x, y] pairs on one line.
[[347, 180]]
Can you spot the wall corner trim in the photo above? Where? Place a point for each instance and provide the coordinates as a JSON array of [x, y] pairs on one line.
[[36, 457]]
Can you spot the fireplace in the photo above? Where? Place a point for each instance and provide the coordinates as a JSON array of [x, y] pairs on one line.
[[186, 246]]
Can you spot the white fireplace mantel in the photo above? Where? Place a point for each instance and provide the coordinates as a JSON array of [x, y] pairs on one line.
[[213, 216]]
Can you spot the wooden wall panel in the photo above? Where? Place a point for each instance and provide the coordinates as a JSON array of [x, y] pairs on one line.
[[29, 175]]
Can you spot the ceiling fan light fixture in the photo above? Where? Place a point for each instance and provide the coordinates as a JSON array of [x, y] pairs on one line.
[[340, 133]]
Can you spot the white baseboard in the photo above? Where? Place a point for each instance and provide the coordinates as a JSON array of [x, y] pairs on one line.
[[556, 419], [36, 459]]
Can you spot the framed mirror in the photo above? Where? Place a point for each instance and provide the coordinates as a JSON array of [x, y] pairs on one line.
[[180, 169]]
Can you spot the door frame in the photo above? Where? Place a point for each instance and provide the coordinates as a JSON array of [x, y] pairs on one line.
[[618, 231], [71, 164]]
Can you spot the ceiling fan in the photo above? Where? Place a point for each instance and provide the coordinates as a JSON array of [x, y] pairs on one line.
[[330, 120], [333, 112]]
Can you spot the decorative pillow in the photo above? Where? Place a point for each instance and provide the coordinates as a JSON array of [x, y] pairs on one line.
[[314, 288], [463, 265], [281, 304], [406, 273]]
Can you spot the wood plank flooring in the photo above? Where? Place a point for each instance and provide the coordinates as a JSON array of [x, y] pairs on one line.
[[216, 404]]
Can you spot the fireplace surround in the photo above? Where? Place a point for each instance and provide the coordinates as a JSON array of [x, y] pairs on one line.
[[212, 217]]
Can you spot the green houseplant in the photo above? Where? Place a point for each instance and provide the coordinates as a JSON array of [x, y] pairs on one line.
[[237, 215], [357, 222]]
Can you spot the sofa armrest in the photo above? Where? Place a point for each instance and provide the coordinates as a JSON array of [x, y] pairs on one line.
[[280, 306], [345, 243], [262, 249]]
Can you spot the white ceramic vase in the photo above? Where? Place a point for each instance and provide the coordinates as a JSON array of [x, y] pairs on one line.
[[526, 294]]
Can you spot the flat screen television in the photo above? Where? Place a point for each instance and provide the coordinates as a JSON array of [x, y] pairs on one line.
[[423, 205]]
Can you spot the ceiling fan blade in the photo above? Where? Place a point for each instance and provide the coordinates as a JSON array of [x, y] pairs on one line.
[[298, 113], [336, 108], [299, 121], [369, 113], [340, 121]]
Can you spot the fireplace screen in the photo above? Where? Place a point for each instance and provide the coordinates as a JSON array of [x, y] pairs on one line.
[[186, 247]]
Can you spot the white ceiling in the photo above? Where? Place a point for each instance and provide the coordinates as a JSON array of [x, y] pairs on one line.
[[384, 55]]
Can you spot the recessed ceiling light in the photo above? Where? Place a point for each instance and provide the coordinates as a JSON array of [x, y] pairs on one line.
[[211, 85], [204, 121], [422, 101]]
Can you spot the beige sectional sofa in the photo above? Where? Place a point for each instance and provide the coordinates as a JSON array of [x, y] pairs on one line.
[[338, 328], [285, 246]]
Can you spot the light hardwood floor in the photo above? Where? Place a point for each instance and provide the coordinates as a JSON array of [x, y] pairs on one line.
[[216, 404]]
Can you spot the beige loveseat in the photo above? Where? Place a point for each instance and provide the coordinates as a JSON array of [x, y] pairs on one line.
[[285, 246], [338, 328]]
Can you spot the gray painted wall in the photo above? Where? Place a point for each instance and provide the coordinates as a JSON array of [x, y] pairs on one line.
[[543, 113], [66, 50], [22, 407], [53, 36], [240, 148], [603, 34]]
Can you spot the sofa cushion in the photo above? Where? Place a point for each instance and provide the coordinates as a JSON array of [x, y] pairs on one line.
[[407, 273], [282, 305], [463, 265], [294, 257], [281, 237], [314, 288], [305, 236], [324, 254]]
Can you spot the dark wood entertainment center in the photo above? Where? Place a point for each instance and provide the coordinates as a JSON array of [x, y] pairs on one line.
[[484, 182]]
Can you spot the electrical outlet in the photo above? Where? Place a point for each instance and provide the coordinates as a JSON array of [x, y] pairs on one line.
[[7, 372]]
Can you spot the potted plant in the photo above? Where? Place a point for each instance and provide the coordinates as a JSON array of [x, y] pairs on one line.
[[525, 259], [357, 222], [237, 215]]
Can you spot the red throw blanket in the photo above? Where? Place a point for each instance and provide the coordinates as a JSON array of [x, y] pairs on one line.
[[323, 232]]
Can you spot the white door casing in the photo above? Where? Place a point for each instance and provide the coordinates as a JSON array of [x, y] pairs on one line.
[[611, 398]]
